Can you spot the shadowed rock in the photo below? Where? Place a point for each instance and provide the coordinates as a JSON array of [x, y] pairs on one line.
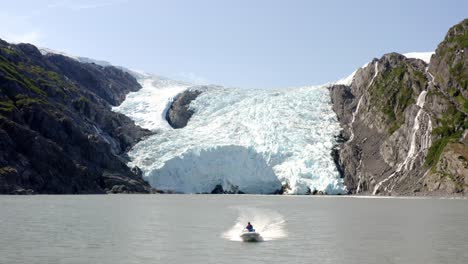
[[58, 134], [179, 112]]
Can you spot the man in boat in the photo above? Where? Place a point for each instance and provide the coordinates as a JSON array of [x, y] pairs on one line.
[[250, 228]]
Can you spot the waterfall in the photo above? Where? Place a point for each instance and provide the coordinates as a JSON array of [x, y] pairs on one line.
[[359, 177], [431, 81], [418, 143], [353, 119], [376, 71]]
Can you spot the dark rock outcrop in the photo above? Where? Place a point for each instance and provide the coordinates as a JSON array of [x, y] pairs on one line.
[[179, 112], [57, 131], [405, 123], [220, 190]]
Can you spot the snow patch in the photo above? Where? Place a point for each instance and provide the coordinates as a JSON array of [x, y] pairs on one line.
[[347, 80], [45, 51], [425, 56]]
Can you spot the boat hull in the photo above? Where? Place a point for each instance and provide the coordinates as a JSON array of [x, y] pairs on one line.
[[251, 237]]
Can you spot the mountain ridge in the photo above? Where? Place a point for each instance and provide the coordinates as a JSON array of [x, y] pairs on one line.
[[403, 119], [59, 134], [404, 123]]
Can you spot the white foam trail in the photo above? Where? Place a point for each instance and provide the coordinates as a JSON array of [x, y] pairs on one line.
[[270, 224]]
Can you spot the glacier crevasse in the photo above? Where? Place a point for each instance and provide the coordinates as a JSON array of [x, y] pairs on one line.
[[250, 140]]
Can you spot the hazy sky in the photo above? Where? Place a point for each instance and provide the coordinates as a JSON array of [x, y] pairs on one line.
[[241, 43]]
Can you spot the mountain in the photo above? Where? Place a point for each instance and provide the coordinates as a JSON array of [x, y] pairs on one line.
[[405, 122], [58, 133], [396, 126]]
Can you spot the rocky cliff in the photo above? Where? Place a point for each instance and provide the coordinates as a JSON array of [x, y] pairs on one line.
[[57, 131], [179, 112], [405, 123]]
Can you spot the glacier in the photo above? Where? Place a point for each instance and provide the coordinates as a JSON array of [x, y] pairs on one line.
[[248, 140]]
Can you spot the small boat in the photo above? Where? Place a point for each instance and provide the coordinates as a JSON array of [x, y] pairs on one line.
[[250, 236]]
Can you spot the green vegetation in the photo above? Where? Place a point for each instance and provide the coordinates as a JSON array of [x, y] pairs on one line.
[[438, 147], [459, 74], [41, 72], [458, 185], [447, 50], [420, 78], [394, 128], [392, 95], [8, 51], [83, 99], [6, 106], [35, 78], [24, 100], [451, 122], [451, 129], [82, 104], [12, 73], [460, 40], [462, 101], [450, 47]]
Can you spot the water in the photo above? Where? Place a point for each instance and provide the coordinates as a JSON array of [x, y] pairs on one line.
[[200, 229]]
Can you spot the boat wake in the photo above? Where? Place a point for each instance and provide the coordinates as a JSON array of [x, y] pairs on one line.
[[270, 224]]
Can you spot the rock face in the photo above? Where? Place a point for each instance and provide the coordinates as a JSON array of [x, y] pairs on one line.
[[449, 107], [179, 112], [405, 123], [57, 131]]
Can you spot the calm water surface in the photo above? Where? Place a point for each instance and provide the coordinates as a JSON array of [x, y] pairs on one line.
[[203, 229]]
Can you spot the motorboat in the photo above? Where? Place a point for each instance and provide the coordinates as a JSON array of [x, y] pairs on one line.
[[250, 236]]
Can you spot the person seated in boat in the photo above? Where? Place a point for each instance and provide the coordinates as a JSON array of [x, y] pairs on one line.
[[250, 228]]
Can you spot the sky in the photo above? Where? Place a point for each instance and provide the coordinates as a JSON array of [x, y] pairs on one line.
[[239, 43]]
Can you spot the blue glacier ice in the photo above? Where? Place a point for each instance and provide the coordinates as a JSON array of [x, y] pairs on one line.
[[252, 140]]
